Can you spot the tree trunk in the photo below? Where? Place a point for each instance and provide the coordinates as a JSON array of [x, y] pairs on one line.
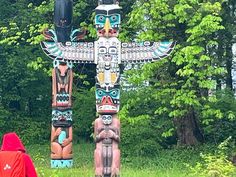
[[188, 131], [229, 60]]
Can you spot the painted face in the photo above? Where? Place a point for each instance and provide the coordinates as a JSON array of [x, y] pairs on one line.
[[107, 59], [107, 20], [107, 119], [62, 117], [107, 100]]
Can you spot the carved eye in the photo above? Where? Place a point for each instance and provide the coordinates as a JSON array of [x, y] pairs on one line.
[[114, 93], [113, 18], [101, 18], [109, 117], [106, 117], [102, 50], [100, 92], [67, 115], [112, 50]]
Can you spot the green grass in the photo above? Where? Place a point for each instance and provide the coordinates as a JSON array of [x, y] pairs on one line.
[[165, 163]]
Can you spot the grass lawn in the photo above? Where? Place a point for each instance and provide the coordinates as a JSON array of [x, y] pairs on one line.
[[166, 163]]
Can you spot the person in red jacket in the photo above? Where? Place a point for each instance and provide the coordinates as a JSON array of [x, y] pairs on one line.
[[11, 142]]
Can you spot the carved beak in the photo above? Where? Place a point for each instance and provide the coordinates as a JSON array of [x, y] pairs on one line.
[[107, 27]]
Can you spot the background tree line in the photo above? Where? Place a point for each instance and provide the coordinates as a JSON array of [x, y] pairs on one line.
[[184, 102]]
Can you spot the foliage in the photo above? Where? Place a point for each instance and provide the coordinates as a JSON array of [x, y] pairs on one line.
[[142, 132], [4, 116], [180, 85], [204, 34], [215, 165], [83, 113], [192, 64], [218, 123]]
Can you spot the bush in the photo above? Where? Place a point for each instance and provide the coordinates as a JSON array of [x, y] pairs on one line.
[[215, 165], [218, 128], [143, 132], [31, 131], [84, 113], [139, 139]]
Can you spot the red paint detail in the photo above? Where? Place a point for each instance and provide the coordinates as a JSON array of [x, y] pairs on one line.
[[63, 69], [62, 104], [111, 32], [106, 100], [107, 111]]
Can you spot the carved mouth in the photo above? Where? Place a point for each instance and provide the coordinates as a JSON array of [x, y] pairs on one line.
[[107, 109]]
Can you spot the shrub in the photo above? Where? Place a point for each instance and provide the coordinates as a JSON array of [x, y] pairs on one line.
[[215, 165]]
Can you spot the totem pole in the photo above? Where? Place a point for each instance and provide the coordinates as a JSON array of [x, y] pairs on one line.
[[108, 53], [62, 78]]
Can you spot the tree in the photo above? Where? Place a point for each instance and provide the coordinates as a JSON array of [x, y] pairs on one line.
[[225, 41], [181, 84]]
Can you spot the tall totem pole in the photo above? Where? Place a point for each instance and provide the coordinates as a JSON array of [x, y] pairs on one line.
[[108, 53]]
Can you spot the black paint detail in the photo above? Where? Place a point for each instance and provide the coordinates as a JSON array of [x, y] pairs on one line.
[[63, 124], [107, 2], [114, 11], [63, 12], [100, 12]]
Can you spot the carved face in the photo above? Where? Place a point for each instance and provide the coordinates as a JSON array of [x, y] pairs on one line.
[[107, 52], [107, 20], [107, 119], [107, 100], [62, 118]]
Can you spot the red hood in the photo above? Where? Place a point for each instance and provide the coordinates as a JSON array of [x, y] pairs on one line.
[[11, 142]]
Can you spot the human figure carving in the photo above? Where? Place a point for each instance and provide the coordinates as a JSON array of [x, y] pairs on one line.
[[61, 143], [107, 138]]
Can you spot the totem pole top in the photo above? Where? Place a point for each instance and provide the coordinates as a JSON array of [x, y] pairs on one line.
[[107, 2], [63, 45]]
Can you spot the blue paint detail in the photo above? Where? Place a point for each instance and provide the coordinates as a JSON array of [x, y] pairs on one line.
[[61, 163], [157, 54], [61, 137], [114, 19], [165, 42], [60, 53], [113, 93], [163, 47], [160, 50], [100, 19], [54, 38], [51, 45]]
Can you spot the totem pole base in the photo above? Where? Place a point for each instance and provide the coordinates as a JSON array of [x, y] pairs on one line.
[[61, 163]]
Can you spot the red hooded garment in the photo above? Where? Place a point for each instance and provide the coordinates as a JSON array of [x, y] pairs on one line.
[[11, 142]]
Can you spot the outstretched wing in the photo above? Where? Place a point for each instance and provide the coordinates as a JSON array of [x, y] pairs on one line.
[[76, 52], [145, 51]]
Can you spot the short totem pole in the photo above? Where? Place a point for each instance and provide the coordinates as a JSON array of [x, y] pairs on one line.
[[108, 53]]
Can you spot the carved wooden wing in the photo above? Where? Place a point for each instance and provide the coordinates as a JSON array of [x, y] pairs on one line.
[[145, 51], [76, 52]]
